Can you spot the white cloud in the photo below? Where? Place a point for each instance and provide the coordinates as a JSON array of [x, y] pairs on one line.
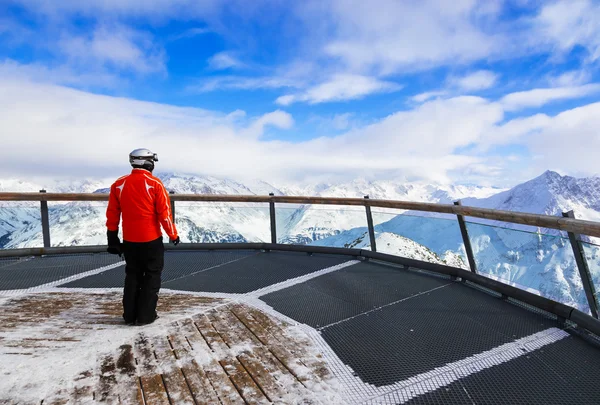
[[566, 24], [60, 131], [571, 78], [457, 85], [331, 124], [428, 95], [395, 35], [13, 33], [53, 129], [242, 83], [61, 74], [376, 38], [58, 124], [116, 47], [339, 88], [434, 129], [513, 131], [341, 121], [189, 33], [569, 141], [224, 60], [136, 8], [540, 97], [480, 80], [279, 119]]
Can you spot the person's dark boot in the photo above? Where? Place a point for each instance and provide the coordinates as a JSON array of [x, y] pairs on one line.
[[142, 323], [128, 321]]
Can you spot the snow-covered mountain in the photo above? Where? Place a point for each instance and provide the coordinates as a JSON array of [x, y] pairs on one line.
[[216, 222], [540, 262], [548, 194], [83, 223], [312, 223], [395, 244], [543, 264], [392, 190]]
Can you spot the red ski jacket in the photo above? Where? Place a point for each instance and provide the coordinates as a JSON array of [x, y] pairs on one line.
[[143, 202]]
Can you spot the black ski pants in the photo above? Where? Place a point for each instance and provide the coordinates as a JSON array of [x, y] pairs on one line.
[[144, 262]]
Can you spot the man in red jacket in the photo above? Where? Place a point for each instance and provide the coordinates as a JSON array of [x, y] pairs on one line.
[[143, 202]]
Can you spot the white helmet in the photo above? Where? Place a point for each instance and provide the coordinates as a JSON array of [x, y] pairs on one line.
[[143, 158]]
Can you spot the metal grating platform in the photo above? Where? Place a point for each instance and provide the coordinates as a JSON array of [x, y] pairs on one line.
[[177, 265], [386, 325], [411, 322], [255, 272], [349, 292], [34, 271], [544, 376], [226, 272]]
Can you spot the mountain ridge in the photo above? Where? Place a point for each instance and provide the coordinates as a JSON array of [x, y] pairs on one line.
[[542, 263]]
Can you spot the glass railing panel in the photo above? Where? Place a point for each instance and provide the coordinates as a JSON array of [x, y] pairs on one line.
[[592, 256], [319, 225], [214, 222], [430, 238], [517, 227], [77, 223], [20, 225], [539, 263]]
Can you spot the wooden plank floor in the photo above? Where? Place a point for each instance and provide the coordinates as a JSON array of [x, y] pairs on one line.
[[227, 353]]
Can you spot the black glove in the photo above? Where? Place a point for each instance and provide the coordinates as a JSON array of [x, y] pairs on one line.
[[175, 241], [114, 243]]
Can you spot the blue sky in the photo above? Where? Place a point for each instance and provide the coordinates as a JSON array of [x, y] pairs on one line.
[[489, 92]]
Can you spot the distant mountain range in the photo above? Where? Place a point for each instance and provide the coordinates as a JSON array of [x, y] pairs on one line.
[[523, 256]]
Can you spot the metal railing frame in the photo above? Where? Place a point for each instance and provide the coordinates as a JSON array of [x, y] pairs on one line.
[[567, 222], [584, 271], [466, 240]]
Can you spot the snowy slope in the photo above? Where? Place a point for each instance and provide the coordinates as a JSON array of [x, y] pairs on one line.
[[391, 190], [317, 222], [543, 264], [393, 244], [83, 223], [548, 194]]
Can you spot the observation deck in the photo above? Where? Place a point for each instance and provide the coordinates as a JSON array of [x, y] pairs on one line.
[[268, 322]]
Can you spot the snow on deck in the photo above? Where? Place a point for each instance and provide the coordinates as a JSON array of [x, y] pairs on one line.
[[73, 347]]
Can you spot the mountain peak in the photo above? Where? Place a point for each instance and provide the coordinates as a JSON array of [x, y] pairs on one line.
[[551, 175]]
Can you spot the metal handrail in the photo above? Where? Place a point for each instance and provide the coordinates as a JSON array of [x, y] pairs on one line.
[[567, 223], [578, 226]]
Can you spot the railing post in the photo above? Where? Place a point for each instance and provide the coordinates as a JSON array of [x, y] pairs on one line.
[[466, 240], [172, 205], [370, 225], [273, 221], [45, 221], [582, 265]]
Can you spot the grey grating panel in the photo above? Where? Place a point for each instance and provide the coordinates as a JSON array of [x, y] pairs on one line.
[[177, 264], [493, 313], [578, 363], [222, 271], [349, 292], [408, 338], [513, 301], [425, 322], [7, 262], [452, 394], [258, 271], [32, 272], [565, 372], [527, 380]]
